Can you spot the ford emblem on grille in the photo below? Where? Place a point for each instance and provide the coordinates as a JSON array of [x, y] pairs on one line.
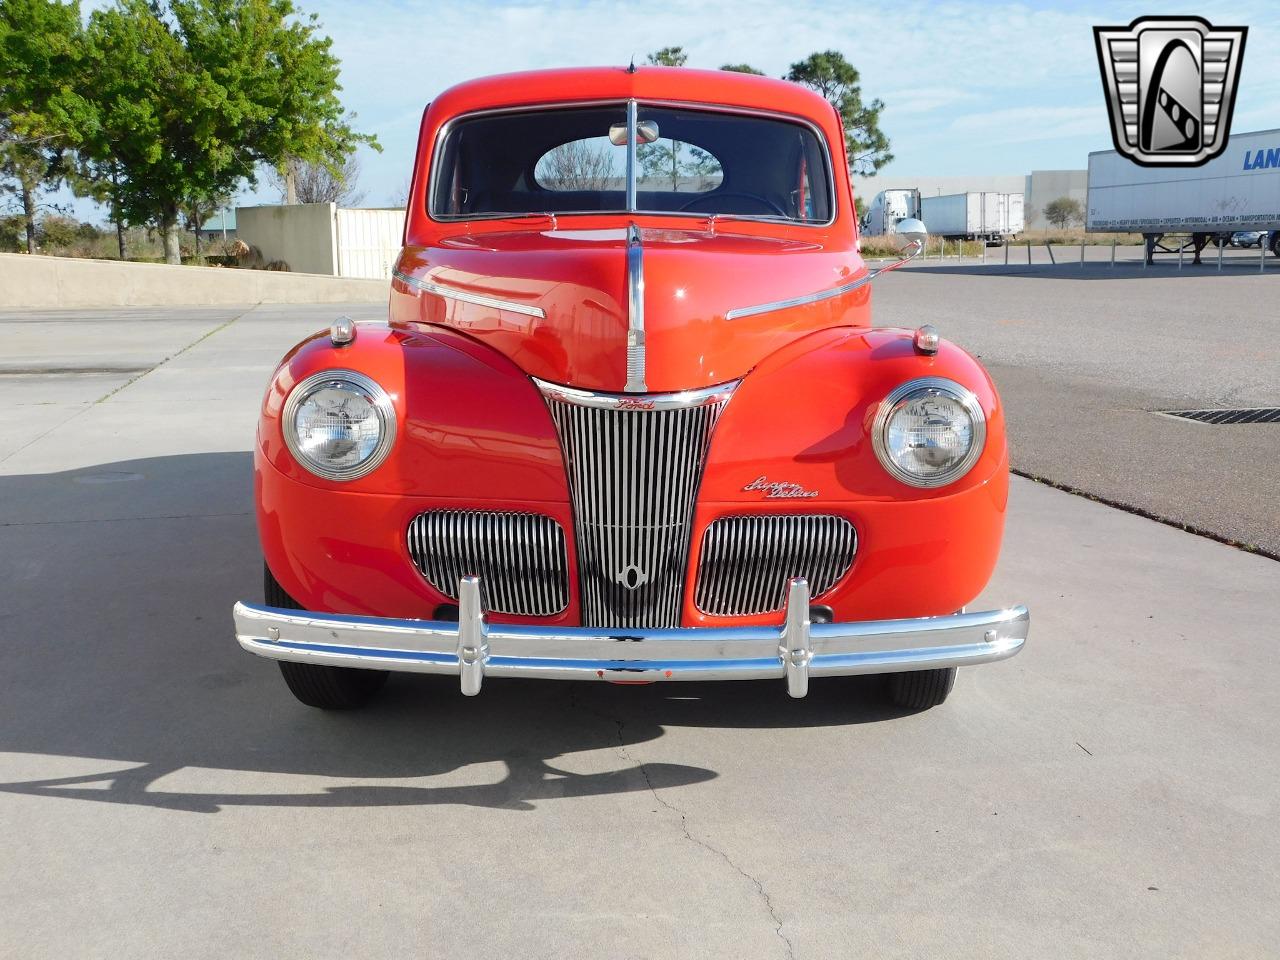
[[631, 577]]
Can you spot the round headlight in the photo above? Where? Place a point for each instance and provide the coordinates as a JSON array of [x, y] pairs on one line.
[[929, 432], [339, 424]]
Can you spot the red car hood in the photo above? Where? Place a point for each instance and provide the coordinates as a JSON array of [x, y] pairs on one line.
[[578, 279]]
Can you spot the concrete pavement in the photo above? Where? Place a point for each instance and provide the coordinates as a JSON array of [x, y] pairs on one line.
[[1083, 357], [1112, 791]]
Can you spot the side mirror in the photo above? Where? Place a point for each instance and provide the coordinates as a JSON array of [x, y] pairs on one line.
[[911, 233], [909, 238]]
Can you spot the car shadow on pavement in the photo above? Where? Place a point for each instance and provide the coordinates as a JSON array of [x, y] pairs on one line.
[[121, 681]]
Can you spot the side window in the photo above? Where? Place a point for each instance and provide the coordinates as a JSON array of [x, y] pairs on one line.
[[591, 164], [674, 166]]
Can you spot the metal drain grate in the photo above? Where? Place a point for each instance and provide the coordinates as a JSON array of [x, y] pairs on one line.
[[1231, 416]]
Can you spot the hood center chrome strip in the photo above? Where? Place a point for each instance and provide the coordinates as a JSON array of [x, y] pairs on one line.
[[635, 311]]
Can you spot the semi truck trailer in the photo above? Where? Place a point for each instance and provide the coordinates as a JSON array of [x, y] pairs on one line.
[[973, 216], [887, 208], [1181, 208]]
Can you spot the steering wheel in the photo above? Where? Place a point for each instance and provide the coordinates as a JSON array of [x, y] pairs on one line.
[[713, 197]]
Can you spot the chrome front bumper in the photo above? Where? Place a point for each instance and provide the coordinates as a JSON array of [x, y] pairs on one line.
[[473, 649]]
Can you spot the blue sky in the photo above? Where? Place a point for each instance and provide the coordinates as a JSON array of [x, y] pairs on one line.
[[969, 88]]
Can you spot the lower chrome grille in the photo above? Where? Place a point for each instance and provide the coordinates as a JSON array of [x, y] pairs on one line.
[[746, 562], [634, 463], [520, 558]]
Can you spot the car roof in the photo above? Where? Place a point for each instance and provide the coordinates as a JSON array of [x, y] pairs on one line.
[[682, 84]]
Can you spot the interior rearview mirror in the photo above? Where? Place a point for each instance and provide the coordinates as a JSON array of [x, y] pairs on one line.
[[646, 132]]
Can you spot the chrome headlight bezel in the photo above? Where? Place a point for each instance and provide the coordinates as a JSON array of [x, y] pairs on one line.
[[357, 382], [962, 395]]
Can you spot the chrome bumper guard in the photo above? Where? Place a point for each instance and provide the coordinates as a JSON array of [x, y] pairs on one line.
[[472, 649]]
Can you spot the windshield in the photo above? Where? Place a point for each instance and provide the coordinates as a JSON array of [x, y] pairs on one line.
[[691, 162]]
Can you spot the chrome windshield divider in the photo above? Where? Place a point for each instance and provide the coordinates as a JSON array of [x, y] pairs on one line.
[[635, 311], [632, 114], [473, 636], [795, 649]]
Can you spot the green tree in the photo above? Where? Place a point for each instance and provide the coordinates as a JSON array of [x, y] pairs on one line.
[[42, 114], [1063, 212], [192, 95], [839, 82], [742, 68], [669, 57]]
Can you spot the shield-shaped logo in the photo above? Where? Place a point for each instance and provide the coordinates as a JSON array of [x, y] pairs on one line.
[[1171, 86]]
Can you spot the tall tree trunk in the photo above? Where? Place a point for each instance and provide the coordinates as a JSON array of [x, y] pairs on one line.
[[115, 210], [29, 211], [291, 182], [169, 228]]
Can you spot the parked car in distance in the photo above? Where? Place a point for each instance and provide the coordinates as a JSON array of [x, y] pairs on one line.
[[629, 418], [1248, 238]]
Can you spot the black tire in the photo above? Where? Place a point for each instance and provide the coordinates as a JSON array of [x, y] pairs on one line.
[[316, 685], [1275, 242], [921, 689]]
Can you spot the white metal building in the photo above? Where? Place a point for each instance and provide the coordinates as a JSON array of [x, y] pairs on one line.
[[325, 238]]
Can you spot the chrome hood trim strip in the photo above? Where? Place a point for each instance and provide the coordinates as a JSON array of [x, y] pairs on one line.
[[635, 310], [465, 296], [647, 402], [739, 312]]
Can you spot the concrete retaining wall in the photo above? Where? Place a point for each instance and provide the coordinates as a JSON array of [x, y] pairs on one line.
[[53, 282]]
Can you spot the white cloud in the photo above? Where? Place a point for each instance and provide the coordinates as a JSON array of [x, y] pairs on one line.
[[1026, 124]]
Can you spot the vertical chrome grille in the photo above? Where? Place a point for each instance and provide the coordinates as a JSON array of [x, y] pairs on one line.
[[520, 558], [634, 465], [746, 562]]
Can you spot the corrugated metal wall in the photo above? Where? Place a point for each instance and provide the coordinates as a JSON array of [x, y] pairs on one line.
[[368, 242]]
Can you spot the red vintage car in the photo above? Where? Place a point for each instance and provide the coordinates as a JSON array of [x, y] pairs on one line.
[[628, 418]]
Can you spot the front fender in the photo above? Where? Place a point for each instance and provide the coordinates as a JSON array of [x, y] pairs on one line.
[[470, 425], [804, 418], [471, 432]]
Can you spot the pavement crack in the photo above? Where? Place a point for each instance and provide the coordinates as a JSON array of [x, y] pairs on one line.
[[128, 383], [194, 343], [625, 752]]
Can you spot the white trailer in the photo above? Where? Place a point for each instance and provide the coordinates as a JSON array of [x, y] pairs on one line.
[[1236, 191], [973, 216], [887, 208]]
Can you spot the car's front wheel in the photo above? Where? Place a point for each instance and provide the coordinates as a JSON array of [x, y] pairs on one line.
[[921, 689], [317, 685]]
